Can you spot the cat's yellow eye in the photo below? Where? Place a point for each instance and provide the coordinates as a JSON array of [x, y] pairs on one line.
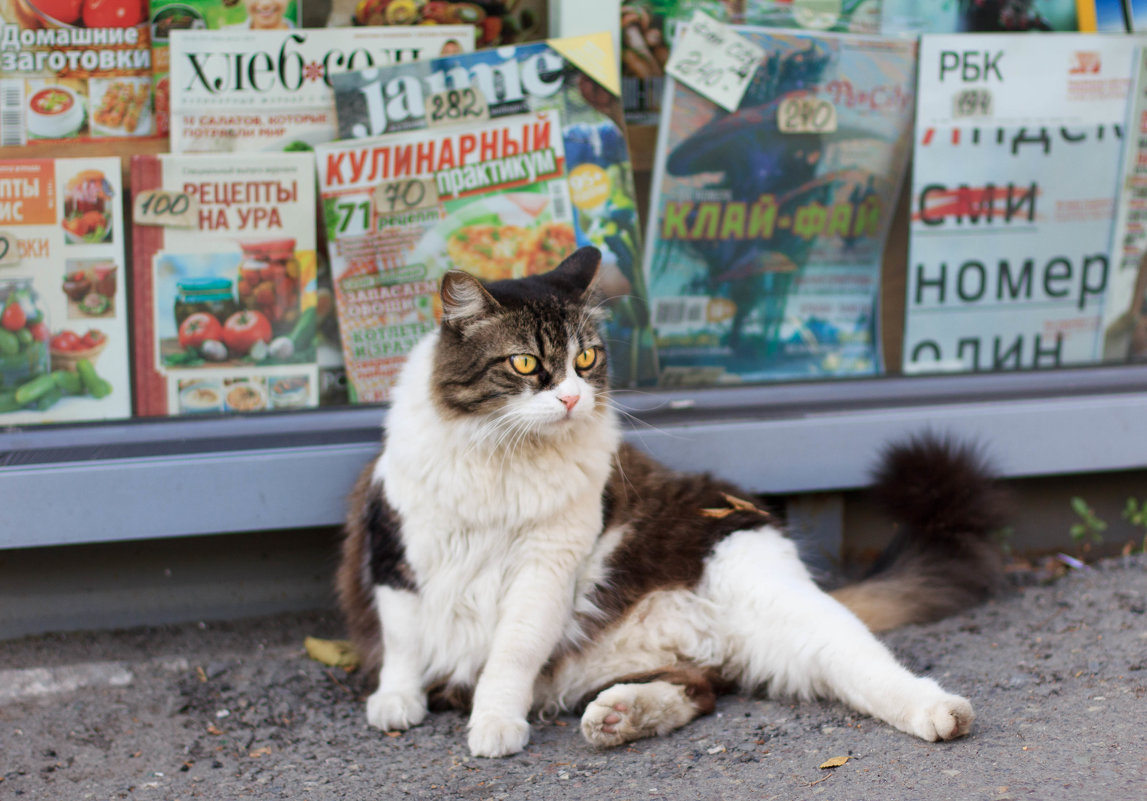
[[524, 363], [586, 359]]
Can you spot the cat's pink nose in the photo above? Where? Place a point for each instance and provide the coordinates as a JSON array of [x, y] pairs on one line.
[[570, 401]]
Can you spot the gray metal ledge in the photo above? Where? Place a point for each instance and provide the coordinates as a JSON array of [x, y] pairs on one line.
[[183, 476]]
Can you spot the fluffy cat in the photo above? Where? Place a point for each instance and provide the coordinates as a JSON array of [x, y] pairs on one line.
[[507, 552]]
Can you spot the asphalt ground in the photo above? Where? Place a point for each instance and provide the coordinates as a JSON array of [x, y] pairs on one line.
[[1056, 669]]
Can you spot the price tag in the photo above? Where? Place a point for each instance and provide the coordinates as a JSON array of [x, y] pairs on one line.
[[406, 194], [972, 103], [9, 249], [454, 106], [166, 208], [714, 60], [806, 115]]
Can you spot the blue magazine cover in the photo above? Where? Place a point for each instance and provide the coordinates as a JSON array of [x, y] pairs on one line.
[[766, 238]]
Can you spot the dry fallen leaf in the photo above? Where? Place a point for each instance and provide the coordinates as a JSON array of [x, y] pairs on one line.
[[336, 653], [260, 752], [835, 762], [213, 729]]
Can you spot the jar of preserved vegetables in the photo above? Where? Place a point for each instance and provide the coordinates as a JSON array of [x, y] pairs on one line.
[[269, 282], [212, 295], [24, 334]]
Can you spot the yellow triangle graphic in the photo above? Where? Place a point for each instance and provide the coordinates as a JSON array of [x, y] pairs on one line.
[[593, 55]]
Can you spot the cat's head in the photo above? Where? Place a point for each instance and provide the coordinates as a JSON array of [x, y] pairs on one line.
[[525, 354]]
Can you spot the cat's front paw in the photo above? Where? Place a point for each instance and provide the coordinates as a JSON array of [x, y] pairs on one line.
[[391, 711], [497, 736], [946, 719]]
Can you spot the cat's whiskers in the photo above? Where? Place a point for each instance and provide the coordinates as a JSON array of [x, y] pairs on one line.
[[505, 431], [639, 422], [522, 430], [495, 429]]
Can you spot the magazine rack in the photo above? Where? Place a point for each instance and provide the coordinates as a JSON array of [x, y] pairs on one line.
[[168, 477]]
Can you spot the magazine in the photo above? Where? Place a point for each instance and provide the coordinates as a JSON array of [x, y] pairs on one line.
[[496, 23], [64, 346], [1124, 321], [224, 305], [978, 16], [74, 71], [648, 27], [768, 225], [518, 151], [1018, 150], [1112, 16], [839, 16], [213, 15], [278, 96]]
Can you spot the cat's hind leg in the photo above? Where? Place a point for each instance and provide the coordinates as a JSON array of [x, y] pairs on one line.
[[646, 706], [785, 634]]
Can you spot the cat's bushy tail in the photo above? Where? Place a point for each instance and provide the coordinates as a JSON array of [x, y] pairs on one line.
[[948, 508]]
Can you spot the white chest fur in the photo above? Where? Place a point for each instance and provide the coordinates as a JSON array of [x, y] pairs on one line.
[[475, 514]]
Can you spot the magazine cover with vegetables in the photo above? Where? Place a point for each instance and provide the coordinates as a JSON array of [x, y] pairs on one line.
[[225, 309], [286, 104], [768, 224], [499, 162], [64, 349], [74, 70]]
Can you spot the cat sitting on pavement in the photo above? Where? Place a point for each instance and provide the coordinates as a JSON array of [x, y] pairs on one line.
[[508, 553]]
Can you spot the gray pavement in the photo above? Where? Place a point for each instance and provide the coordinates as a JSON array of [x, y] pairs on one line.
[[1057, 672]]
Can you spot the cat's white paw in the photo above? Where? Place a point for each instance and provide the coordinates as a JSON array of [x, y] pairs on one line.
[[945, 719], [391, 711], [494, 735], [626, 712]]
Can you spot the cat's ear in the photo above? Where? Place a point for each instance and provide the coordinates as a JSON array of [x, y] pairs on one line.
[[464, 299], [579, 270]]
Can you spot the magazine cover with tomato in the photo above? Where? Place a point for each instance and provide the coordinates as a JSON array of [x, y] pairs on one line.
[[290, 106], [64, 347], [500, 162], [212, 15], [768, 224], [225, 308], [74, 70]]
